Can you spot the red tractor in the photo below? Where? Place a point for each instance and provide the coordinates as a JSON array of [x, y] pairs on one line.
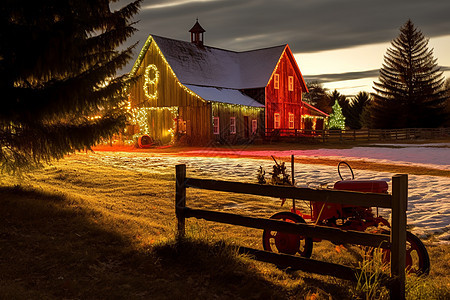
[[346, 217]]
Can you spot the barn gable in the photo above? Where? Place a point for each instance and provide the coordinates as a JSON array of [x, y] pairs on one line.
[[288, 57], [157, 84]]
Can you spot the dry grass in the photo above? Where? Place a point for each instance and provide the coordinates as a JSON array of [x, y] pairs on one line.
[[78, 230]]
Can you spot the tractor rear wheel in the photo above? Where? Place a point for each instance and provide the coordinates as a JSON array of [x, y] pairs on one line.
[[417, 258]]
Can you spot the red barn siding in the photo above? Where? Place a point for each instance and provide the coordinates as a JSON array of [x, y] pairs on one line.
[[282, 100]]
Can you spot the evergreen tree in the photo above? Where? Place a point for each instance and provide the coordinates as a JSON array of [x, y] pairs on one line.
[[318, 96], [355, 110], [58, 63], [447, 105], [410, 88], [342, 100], [337, 119], [366, 117]]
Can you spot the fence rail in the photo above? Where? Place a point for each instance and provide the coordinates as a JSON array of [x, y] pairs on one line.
[[396, 242], [355, 135]]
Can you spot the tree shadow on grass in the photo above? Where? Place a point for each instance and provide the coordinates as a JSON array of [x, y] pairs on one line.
[[52, 247]]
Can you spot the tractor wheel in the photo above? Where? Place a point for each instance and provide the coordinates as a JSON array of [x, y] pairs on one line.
[[287, 243], [417, 259]]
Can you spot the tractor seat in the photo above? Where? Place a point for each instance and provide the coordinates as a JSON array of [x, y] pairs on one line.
[[366, 186]]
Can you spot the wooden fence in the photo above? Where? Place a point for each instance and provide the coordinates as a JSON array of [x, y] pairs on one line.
[[293, 135], [396, 242]]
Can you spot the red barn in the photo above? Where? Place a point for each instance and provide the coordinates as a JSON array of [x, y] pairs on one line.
[[284, 108], [201, 94]]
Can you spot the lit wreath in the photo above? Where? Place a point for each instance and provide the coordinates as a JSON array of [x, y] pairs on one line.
[[149, 82]]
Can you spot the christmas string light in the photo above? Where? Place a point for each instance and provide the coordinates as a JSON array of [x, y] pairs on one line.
[[141, 57], [337, 119], [149, 82], [139, 116], [312, 117]]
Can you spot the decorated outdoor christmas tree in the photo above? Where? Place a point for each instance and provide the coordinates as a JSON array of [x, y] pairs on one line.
[[337, 119]]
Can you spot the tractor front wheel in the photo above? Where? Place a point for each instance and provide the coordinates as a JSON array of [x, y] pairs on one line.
[[287, 243]]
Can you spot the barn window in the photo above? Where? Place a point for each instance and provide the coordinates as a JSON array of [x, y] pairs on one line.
[[216, 128], [254, 126], [291, 121], [276, 121], [291, 83], [233, 125], [276, 81]]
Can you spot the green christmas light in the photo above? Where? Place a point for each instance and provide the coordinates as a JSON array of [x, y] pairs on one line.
[[337, 119]]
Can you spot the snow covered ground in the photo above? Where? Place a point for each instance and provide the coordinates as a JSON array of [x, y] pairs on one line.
[[428, 200], [428, 155]]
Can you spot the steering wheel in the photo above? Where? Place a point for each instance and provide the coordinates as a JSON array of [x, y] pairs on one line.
[[348, 166]]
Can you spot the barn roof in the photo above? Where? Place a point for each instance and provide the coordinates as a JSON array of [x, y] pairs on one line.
[[231, 96], [315, 110], [214, 67]]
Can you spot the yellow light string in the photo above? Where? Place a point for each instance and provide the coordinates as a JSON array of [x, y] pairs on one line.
[[149, 82], [312, 117], [139, 116], [175, 76], [140, 59]]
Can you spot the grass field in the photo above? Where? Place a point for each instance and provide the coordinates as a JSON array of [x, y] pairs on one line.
[[79, 230]]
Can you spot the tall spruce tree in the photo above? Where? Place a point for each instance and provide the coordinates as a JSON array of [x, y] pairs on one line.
[[58, 64], [410, 89], [355, 110]]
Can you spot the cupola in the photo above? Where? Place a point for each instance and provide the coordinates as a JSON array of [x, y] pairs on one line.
[[197, 34]]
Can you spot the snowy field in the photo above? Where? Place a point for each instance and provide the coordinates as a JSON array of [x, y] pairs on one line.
[[428, 200], [428, 155]]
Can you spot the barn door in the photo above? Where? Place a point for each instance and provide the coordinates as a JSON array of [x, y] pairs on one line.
[[246, 127]]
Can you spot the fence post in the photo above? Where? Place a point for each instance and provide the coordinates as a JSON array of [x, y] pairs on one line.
[[180, 198], [293, 178], [398, 234]]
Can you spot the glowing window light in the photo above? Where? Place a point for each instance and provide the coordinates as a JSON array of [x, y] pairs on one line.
[[276, 81], [232, 125], [254, 126], [291, 83], [276, 121], [291, 121], [216, 129]]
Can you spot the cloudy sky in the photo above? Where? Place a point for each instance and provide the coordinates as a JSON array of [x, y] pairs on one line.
[[340, 42]]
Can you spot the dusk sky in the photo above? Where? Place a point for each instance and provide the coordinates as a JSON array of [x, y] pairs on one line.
[[341, 43]]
